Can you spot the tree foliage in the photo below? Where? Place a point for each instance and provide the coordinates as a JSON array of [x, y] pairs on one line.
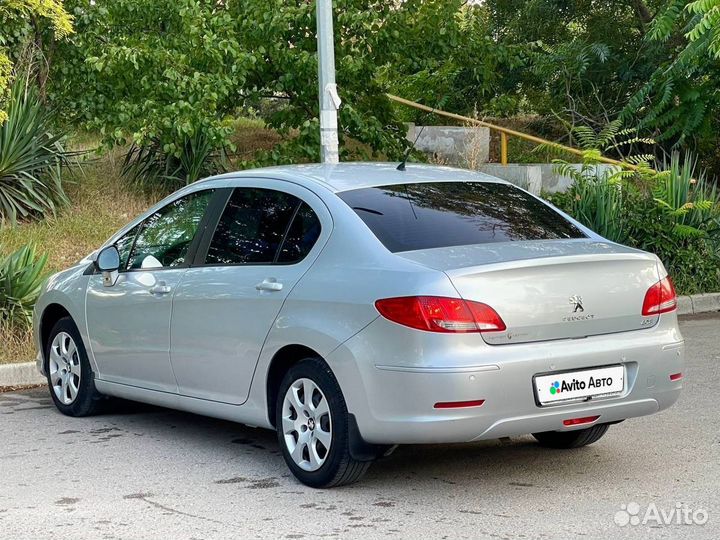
[[19, 12], [679, 99], [160, 74], [168, 75]]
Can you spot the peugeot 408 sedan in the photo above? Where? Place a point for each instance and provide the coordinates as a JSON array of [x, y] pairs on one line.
[[356, 307]]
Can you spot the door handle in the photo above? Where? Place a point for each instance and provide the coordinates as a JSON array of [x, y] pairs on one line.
[[160, 288], [269, 284]]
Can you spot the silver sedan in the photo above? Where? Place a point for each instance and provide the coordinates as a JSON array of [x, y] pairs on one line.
[[356, 307]]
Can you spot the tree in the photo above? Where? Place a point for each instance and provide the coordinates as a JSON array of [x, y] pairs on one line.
[[436, 52], [18, 12], [584, 56], [678, 103], [163, 75]]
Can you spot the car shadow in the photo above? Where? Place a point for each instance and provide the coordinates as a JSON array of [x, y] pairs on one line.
[[518, 463]]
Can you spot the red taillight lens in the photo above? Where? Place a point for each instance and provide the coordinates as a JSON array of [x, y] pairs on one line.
[[580, 421], [459, 404], [440, 314], [660, 298], [676, 377]]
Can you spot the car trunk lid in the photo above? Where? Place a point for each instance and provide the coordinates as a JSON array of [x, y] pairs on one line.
[[551, 289]]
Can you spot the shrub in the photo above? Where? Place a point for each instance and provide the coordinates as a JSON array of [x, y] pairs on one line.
[[674, 214], [30, 159], [151, 165], [690, 260], [21, 277], [597, 200], [688, 199]]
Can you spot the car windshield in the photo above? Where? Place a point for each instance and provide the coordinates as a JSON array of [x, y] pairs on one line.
[[409, 217]]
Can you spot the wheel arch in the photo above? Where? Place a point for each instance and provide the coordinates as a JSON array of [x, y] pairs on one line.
[[282, 361], [50, 316]]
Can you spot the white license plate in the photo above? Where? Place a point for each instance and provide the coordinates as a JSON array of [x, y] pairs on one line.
[[580, 384]]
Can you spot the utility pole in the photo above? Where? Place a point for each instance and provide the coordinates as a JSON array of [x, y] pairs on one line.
[[329, 98]]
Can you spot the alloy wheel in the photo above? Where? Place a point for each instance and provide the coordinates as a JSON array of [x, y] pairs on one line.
[[64, 367], [306, 424]]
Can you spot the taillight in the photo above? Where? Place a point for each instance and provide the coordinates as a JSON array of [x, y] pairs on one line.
[[660, 298], [441, 314]]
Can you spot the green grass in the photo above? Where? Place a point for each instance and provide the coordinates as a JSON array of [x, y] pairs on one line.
[[100, 203], [16, 344]]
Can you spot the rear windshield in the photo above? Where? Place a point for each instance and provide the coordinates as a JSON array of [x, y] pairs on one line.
[[407, 217]]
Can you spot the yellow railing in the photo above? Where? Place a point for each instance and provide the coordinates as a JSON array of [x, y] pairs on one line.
[[505, 133]]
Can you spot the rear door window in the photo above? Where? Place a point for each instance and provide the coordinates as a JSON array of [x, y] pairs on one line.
[[409, 217], [257, 227]]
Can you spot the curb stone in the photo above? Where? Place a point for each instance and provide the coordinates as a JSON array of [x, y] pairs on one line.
[[705, 303], [20, 374], [26, 373]]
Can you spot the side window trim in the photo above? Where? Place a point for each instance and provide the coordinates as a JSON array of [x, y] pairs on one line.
[[287, 230], [214, 214], [140, 229], [192, 249]]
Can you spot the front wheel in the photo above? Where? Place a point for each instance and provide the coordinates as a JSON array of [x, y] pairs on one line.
[[571, 439], [69, 375], [311, 418]]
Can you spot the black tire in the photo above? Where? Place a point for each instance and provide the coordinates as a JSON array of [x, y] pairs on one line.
[[339, 467], [571, 439], [88, 399]]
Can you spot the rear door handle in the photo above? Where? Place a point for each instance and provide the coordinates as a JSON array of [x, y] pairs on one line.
[[269, 284], [161, 288]]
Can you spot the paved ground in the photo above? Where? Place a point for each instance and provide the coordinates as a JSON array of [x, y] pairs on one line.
[[154, 473]]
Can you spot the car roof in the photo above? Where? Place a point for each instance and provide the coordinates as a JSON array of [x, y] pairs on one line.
[[356, 175]]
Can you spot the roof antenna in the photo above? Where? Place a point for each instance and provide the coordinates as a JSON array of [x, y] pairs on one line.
[[401, 167]]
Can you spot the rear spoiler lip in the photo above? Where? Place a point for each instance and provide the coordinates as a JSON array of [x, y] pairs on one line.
[[517, 254], [550, 261]]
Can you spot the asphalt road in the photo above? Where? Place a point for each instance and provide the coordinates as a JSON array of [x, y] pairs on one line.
[[153, 473]]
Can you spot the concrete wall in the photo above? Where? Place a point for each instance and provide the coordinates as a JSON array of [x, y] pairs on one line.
[[455, 145], [535, 177], [470, 147]]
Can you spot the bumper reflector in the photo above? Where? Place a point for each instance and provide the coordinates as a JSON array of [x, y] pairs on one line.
[[676, 376], [579, 421], [459, 404]]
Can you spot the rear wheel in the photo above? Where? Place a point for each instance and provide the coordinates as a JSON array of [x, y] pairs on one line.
[[571, 439], [311, 418], [69, 375]]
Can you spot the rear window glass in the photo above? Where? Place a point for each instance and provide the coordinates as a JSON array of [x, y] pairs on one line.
[[423, 216]]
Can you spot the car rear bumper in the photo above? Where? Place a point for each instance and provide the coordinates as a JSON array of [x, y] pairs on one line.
[[392, 377]]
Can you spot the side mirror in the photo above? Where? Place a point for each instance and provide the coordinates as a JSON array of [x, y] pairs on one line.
[[108, 262]]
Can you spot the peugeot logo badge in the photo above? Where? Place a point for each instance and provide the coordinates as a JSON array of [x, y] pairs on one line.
[[577, 301]]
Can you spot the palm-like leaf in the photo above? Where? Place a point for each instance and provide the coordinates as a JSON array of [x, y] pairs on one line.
[[688, 198], [21, 278], [30, 159]]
